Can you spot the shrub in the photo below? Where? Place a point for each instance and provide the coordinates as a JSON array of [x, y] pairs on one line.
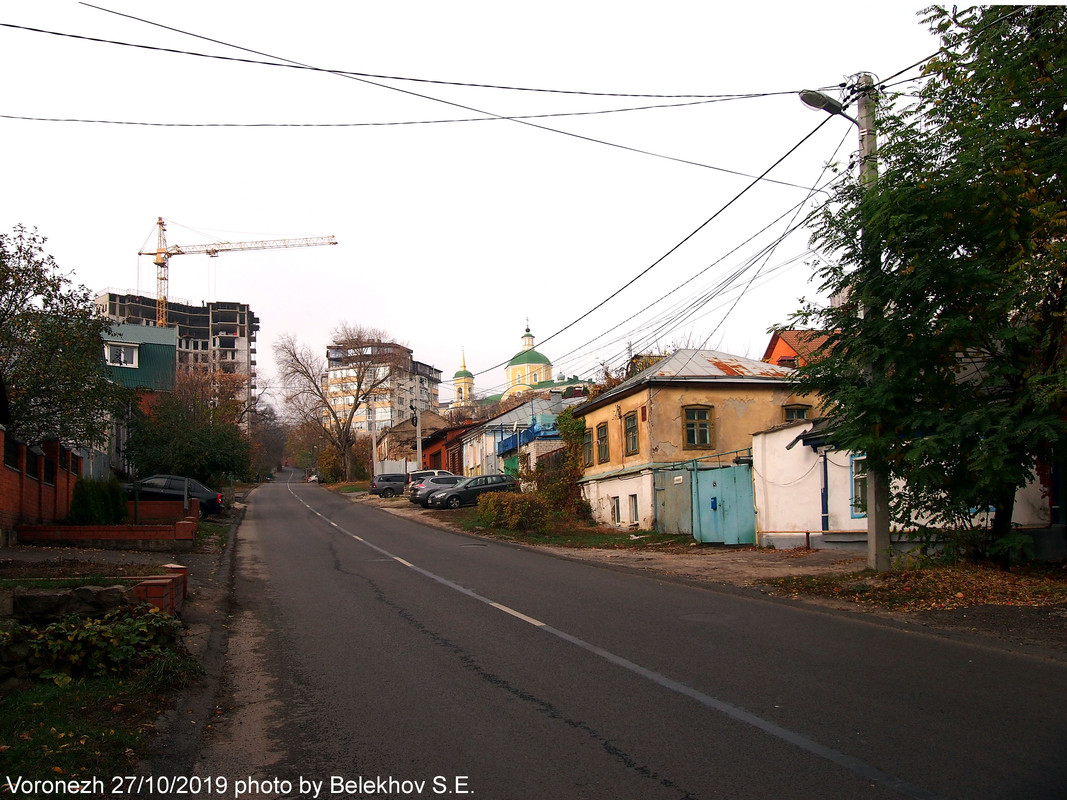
[[513, 511], [122, 641], [98, 502]]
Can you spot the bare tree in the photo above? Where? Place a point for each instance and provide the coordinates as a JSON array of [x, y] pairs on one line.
[[329, 390]]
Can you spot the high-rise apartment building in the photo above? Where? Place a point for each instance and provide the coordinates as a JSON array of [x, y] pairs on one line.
[[401, 383], [215, 336]]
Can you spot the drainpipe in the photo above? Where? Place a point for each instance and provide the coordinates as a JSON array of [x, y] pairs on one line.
[[825, 495]]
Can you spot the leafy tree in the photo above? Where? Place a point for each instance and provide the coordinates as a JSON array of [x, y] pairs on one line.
[[945, 364], [51, 348], [193, 431], [558, 484]]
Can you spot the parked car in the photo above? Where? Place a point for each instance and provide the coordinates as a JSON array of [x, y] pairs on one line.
[[419, 474], [388, 484], [467, 491], [420, 489], [172, 487]]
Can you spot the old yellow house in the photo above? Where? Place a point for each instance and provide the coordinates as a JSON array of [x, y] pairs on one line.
[[660, 447]]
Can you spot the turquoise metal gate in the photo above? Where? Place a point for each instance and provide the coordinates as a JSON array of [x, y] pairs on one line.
[[723, 507]]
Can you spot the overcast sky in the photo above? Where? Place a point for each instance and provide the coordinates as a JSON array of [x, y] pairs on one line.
[[452, 233]]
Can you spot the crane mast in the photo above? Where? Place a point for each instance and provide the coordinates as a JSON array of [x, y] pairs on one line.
[[163, 252]]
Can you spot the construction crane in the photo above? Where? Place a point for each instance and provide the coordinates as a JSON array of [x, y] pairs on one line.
[[163, 253]]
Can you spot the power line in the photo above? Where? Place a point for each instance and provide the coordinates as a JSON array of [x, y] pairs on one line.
[[487, 115], [297, 65], [673, 249], [356, 124]]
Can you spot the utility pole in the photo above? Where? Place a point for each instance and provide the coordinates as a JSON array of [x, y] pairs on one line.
[[879, 540], [416, 420]]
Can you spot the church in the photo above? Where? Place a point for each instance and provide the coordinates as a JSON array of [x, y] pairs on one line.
[[527, 371]]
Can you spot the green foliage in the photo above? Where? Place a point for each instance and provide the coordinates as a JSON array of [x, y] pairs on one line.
[[95, 723], [122, 641], [98, 502], [556, 481], [946, 364], [51, 348], [184, 438], [513, 511]]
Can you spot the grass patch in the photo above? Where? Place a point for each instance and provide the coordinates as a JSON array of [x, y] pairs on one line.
[[350, 487], [94, 726], [936, 588], [212, 534]]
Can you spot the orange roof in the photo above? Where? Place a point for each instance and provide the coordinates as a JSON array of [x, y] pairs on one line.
[[793, 344]]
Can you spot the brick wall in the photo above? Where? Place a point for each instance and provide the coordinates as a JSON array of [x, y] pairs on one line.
[[34, 486], [179, 535]]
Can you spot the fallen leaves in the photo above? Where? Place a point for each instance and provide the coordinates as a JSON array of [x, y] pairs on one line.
[[937, 588]]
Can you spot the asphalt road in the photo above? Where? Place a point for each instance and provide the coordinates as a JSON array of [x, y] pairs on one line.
[[370, 656]]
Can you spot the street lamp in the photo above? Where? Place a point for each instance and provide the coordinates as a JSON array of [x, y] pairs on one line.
[[878, 539], [824, 102]]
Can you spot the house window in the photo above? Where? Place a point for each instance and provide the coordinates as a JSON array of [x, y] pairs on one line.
[[796, 411], [858, 470], [587, 448], [629, 424], [121, 355], [616, 511], [633, 508], [602, 452], [699, 428]]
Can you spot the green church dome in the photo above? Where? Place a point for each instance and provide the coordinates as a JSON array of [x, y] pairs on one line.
[[528, 357], [463, 373]]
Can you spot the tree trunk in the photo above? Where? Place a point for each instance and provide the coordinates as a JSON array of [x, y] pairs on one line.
[[1000, 553]]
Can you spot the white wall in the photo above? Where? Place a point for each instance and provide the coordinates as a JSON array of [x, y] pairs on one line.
[[599, 494], [788, 485], [787, 491]]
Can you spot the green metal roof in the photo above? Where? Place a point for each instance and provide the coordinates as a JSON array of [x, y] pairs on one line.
[[156, 357], [528, 357]]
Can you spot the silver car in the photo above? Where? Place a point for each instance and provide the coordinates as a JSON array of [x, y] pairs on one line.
[[421, 488]]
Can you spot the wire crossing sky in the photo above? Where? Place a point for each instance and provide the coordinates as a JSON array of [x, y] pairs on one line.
[[600, 179]]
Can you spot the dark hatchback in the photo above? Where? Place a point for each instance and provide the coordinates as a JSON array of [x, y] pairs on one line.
[[420, 489], [388, 484], [173, 487], [467, 491]]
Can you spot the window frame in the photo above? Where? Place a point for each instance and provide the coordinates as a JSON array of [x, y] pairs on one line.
[[603, 447], [791, 410], [696, 425], [121, 362], [857, 501], [587, 447], [630, 434]]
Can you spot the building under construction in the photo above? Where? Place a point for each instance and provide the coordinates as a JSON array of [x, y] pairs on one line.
[[217, 336]]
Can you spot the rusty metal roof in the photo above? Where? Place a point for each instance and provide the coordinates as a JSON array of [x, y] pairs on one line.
[[712, 364], [697, 366]]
